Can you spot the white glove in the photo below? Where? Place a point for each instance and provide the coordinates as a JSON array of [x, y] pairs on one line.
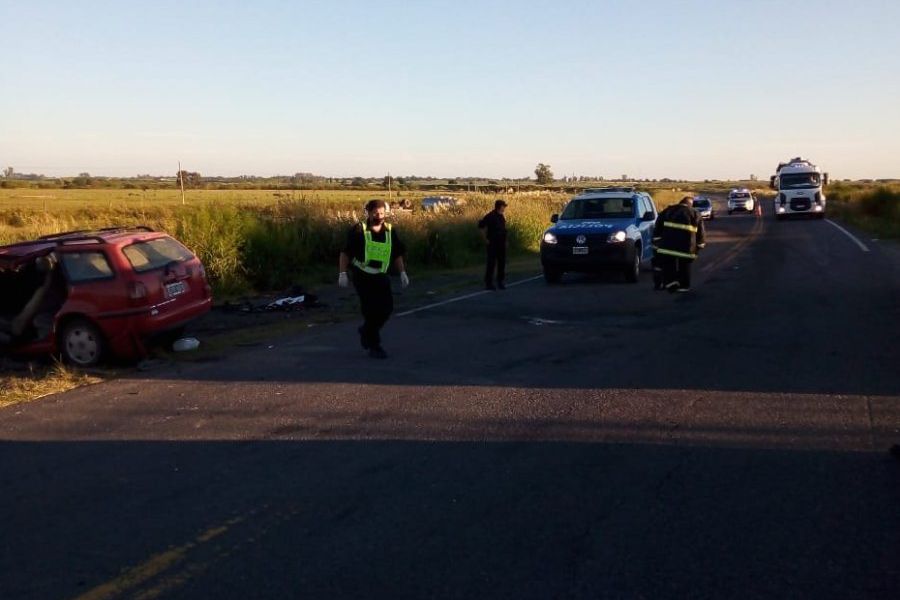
[[343, 281], [404, 279]]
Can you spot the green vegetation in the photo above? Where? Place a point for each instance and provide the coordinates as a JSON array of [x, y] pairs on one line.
[[874, 208]]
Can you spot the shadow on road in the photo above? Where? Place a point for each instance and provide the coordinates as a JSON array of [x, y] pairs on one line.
[[444, 519]]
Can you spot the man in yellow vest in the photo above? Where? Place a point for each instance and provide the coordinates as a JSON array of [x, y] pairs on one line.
[[677, 238], [371, 248]]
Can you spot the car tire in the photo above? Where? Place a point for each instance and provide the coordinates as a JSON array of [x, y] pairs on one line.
[[633, 271], [81, 344], [552, 276]]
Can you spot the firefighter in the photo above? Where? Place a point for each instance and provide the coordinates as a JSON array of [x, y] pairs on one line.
[[371, 248], [678, 237]]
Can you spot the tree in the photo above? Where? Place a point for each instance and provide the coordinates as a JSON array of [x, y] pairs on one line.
[[190, 178], [8, 172], [544, 174]]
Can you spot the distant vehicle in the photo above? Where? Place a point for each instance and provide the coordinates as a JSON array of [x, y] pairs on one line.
[[600, 229], [89, 294], [800, 189], [440, 202], [704, 206], [741, 201]]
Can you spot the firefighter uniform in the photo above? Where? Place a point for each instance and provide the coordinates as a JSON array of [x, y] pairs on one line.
[[678, 236], [371, 254]]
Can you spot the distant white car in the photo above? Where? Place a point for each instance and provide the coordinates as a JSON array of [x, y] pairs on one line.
[[704, 207], [741, 201], [440, 202]]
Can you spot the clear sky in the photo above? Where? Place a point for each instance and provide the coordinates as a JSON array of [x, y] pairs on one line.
[[652, 88]]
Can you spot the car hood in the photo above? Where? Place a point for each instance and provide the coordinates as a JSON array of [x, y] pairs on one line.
[[576, 226]]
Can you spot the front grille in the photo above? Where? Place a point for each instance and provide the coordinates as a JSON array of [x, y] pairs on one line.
[[592, 240], [800, 204]]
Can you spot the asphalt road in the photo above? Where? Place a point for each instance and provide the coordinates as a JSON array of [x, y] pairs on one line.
[[594, 439]]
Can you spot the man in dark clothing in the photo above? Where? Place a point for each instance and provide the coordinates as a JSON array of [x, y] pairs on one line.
[[494, 226], [677, 238], [371, 248]]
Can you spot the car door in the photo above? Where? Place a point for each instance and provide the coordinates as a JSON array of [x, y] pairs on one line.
[[646, 227]]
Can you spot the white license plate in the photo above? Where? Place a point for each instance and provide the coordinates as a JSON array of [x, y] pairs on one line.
[[580, 250], [175, 289]]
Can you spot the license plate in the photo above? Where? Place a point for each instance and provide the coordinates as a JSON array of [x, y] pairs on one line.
[[175, 289], [580, 250]]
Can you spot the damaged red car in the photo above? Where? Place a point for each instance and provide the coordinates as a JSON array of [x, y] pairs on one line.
[[90, 295]]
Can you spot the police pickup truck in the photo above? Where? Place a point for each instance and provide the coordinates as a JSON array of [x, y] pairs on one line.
[[600, 229]]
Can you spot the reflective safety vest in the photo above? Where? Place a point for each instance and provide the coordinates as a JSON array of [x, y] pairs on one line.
[[375, 252]]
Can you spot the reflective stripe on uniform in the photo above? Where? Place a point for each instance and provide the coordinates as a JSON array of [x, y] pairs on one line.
[[676, 253], [365, 268], [690, 228]]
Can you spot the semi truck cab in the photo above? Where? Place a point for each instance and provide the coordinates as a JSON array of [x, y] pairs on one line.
[[800, 189]]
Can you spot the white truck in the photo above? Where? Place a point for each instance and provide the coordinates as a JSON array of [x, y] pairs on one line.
[[800, 189]]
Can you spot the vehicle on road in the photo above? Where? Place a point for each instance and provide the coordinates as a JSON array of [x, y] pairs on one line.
[[704, 206], [86, 295], [741, 200], [606, 228], [800, 189]]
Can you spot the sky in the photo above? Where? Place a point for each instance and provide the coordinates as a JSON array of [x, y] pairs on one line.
[[649, 89]]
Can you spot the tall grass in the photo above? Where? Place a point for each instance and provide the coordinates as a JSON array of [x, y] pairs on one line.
[[273, 242], [876, 209]]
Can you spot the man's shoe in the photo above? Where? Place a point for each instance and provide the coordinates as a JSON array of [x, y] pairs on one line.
[[362, 339], [501, 285], [377, 352]]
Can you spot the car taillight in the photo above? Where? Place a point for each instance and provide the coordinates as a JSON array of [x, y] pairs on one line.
[[137, 291]]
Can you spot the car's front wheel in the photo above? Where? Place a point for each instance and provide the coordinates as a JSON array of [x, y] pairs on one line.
[[633, 271], [81, 343]]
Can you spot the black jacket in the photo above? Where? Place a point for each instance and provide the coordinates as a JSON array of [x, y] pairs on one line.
[[679, 232], [494, 225]]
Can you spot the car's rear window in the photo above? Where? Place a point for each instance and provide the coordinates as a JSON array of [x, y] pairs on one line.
[[155, 254], [86, 266]]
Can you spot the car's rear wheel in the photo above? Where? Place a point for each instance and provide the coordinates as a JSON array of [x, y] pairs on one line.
[[81, 343], [552, 275], [633, 271]]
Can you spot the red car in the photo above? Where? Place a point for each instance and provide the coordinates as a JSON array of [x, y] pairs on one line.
[[88, 294]]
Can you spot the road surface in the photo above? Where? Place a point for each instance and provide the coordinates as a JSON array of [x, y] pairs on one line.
[[594, 439]]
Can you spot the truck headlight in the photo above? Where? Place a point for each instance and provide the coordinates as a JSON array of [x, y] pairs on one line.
[[780, 209], [549, 238], [617, 237], [817, 208]]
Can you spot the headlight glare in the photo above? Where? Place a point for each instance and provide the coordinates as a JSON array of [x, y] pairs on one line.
[[617, 237], [549, 238]]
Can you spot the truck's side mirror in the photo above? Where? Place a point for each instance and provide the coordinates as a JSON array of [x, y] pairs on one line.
[[772, 182], [648, 216], [554, 218], [825, 179]]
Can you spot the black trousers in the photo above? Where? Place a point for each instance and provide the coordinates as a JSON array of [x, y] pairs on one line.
[[376, 302], [676, 272], [496, 261]]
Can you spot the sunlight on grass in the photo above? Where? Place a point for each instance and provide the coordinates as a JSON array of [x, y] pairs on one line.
[[39, 381]]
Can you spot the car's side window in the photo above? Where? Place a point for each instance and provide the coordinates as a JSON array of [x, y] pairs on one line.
[[86, 266]]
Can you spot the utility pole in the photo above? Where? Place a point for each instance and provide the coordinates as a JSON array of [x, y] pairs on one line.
[[181, 179]]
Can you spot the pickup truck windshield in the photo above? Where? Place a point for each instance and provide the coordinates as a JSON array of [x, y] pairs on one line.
[[799, 181], [599, 208]]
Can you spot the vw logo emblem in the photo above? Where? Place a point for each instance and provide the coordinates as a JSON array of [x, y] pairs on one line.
[[581, 239]]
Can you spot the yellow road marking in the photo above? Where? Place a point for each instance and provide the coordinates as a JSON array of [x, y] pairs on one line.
[[153, 566]]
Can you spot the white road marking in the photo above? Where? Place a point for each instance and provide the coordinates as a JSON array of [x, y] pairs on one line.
[[466, 297], [862, 246]]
